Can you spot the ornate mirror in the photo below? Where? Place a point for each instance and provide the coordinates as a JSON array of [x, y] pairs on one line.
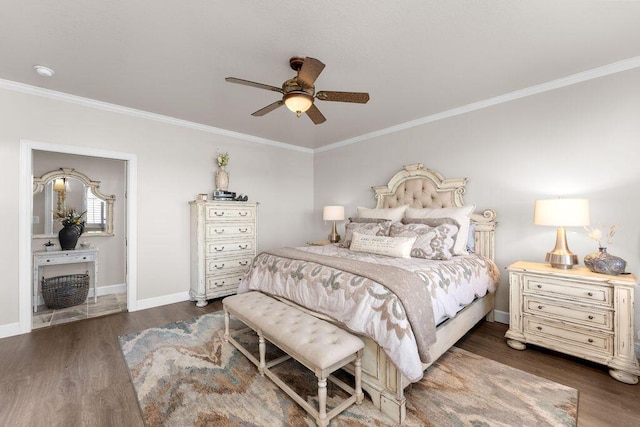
[[64, 189]]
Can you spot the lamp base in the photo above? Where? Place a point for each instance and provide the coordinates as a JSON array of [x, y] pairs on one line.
[[563, 261], [334, 237]]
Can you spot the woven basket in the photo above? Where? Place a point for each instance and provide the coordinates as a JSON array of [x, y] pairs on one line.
[[65, 291]]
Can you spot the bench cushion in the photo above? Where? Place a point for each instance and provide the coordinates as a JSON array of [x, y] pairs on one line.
[[312, 341]]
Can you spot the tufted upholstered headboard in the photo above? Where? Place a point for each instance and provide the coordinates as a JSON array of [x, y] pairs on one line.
[[420, 187]]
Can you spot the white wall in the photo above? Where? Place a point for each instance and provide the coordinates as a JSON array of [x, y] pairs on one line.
[[174, 164], [581, 140]]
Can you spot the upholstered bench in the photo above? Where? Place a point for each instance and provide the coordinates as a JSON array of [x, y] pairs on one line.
[[320, 346]]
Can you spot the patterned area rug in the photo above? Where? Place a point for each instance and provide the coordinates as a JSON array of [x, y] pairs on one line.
[[184, 374]]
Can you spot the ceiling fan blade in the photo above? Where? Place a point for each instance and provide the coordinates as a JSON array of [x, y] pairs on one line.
[[357, 97], [315, 115], [311, 69], [269, 108], [253, 84]]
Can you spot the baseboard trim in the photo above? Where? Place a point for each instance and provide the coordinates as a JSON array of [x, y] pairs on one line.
[[9, 330], [144, 304], [501, 316]]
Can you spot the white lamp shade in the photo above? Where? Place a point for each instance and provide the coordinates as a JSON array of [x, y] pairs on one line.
[[562, 212], [333, 213]]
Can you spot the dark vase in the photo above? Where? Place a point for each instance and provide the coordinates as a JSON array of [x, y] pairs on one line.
[[68, 236], [605, 263]]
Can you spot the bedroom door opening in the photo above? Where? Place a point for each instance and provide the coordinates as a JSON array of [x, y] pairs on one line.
[[110, 255]]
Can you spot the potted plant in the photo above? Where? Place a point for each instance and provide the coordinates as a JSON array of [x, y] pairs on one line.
[[49, 246]]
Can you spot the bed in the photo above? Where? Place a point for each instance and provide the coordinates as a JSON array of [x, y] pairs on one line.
[[381, 297]]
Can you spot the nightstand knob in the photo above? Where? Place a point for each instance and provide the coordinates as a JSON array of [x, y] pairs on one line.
[[590, 340], [219, 267], [539, 307], [539, 328], [539, 286], [590, 317], [590, 294]]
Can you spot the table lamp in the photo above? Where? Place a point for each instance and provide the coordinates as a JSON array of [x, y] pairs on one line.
[[333, 213], [561, 213]]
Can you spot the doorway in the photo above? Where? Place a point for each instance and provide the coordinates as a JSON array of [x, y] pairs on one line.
[[115, 291]]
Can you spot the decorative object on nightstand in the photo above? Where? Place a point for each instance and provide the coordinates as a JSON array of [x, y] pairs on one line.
[[319, 243], [222, 176], [577, 312], [602, 261], [333, 213], [223, 245], [561, 213]]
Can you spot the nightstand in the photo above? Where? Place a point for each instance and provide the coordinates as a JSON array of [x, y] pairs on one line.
[[319, 243], [576, 312]]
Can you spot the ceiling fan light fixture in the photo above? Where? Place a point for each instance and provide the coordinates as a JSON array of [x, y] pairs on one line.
[[298, 102]]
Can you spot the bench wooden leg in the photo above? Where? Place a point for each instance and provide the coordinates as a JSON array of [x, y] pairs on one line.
[[322, 400], [358, 378], [226, 326], [262, 347]]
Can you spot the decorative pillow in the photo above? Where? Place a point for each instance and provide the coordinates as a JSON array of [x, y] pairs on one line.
[[368, 228], [431, 242], [363, 220], [393, 214], [398, 247], [462, 215], [471, 239]]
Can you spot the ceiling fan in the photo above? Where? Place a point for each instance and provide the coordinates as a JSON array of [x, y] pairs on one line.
[[299, 92]]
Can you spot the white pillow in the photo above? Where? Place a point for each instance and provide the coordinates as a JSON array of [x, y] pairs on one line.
[[393, 214], [462, 215], [398, 247]]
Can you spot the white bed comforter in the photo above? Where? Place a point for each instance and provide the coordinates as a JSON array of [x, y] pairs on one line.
[[367, 307]]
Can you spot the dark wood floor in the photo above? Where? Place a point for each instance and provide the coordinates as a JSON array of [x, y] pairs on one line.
[[74, 374]]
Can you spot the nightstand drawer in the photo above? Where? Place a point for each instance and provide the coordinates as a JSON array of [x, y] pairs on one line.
[[586, 293], [214, 231], [566, 337], [586, 316]]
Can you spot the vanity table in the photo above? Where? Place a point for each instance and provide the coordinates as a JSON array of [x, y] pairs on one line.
[[42, 259]]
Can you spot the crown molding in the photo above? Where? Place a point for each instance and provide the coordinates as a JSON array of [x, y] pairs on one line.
[[105, 106], [605, 70]]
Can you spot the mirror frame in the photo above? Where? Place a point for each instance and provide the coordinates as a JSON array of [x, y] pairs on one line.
[[40, 183]]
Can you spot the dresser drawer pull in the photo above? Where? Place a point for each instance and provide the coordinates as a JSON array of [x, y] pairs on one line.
[[84, 257], [218, 284], [219, 250], [540, 307], [219, 267], [218, 213], [590, 294], [590, 317], [590, 340], [243, 230], [243, 246], [218, 232], [243, 213], [243, 263], [539, 286], [539, 328]]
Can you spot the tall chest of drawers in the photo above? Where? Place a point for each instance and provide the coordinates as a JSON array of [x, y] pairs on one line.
[[223, 245], [575, 311]]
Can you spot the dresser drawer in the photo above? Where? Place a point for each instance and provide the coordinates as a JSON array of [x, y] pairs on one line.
[[581, 292], [223, 282], [225, 230], [220, 247], [567, 338], [228, 213], [225, 265], [583, 315]]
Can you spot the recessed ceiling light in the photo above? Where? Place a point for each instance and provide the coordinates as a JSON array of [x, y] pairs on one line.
[[44, 71]]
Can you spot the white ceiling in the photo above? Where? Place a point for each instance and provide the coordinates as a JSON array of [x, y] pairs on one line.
[[416, 58]]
